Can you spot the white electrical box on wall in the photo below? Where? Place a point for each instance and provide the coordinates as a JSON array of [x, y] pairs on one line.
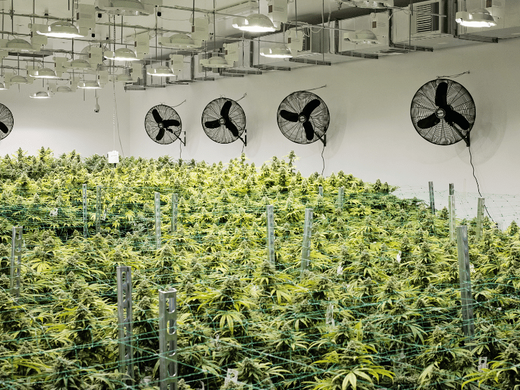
[[113, 157]]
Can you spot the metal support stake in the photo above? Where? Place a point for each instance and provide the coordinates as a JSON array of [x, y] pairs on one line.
[[270, 234], [320, 190], [157, 220], [465, 282], [16, 261], [98, 209], [306, 247], [480, 217], [175, 202], [451, 210], [85, 214], [124, 315], [432, 197], [168, 339], [341, 197]]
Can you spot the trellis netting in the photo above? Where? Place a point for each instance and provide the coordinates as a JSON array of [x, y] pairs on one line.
[[377, 307]]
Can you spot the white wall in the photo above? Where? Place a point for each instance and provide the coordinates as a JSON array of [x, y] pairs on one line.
[[65, 122], [371, 134]]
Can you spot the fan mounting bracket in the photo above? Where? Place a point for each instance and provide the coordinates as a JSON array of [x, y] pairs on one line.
[[183, 140], [323, 139], [244, 139], [464, 137]]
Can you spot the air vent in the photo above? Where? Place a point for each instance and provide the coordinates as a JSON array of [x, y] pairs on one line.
[[427, 18]]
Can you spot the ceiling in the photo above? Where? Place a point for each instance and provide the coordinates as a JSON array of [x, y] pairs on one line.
[[165, 17]]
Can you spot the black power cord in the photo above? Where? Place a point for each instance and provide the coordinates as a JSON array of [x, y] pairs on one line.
[[323, 159], [478, 185]]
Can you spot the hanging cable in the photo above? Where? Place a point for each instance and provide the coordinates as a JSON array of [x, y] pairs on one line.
[[184, 101], [245, 94], [314, 89], [476, 181], [453, 76], [115, 120], [323, 160]]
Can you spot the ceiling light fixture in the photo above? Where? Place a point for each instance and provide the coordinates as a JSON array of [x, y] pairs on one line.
[[19, 45], [79, 64], [89, 84], [61, 29], [123, 7], [64, 89], [478, 18], [179, 41], [366, 37], [44, 73], [216, 62], [160, 71], [18, 80], [255, 23], [40, 95], [277, 51], [123, 54]]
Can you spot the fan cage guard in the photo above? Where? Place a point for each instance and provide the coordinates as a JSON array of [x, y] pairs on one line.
[[6, 117], [423, 105], [222, 134], [294, 131], [152, 127]]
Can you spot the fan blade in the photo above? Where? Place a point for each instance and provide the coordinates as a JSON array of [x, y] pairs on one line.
[[231, 126], [453, 116], [4, 128], [156, 116], [171, 122], [429, 121], [225, 109], [160, 135], [441, 95], [310, 107], [212, 124], [309, 130], [289, 116]]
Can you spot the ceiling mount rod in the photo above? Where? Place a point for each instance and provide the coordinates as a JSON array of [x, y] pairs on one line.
[[130, 26], [198, 10], [12, 17]]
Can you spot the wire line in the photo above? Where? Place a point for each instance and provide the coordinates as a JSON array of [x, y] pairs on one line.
[[478, 185]]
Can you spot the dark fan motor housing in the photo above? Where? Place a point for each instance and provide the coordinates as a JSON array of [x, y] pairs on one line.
[[443, 112], [6, 121], [224, 121], [162, 124], [303, 117]]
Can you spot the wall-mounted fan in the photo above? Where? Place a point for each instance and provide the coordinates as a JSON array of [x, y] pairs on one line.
[[443, 112], [163, 125], [224, 121], [303, 117], [6, 121]]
